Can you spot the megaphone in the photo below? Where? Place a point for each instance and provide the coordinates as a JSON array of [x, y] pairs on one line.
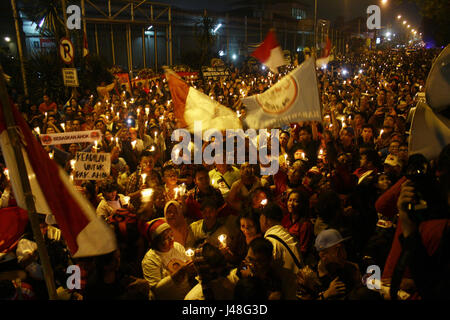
[[429, 132], [437, 86]]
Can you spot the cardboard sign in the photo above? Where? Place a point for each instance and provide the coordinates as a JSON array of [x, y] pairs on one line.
[[215, 72], [92, 166], [70, 77], [70, 137]]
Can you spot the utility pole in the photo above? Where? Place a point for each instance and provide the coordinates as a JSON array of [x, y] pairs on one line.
[[19, 47]]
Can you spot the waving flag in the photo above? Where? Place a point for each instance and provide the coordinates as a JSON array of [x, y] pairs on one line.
[[85, 233], [269, 52], [294, 98], [192, 105]]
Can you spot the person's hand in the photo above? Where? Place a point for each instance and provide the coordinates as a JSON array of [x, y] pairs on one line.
[[179, 275], [407, 195], [336, 288], [379, 112]]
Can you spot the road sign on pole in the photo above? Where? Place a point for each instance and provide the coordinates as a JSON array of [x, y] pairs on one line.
[[66, 51]]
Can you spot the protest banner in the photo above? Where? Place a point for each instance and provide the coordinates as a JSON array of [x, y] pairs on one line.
[[92, 166], [70, 137]]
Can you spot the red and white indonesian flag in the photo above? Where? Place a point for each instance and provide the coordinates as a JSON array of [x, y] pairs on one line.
[[326, 55], [191, 105], [85, 233], [269, 52], [294, 98]]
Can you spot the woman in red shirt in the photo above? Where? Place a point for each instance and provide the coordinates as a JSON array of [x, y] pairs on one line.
[[297, 222]]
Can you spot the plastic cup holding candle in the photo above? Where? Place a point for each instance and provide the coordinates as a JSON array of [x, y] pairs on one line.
[[152, 149], [133, 144], [146, 195], [38, 130], [176, 192], [144, 177], [72, 163], [50, 154], [190, 253], [126, 199]]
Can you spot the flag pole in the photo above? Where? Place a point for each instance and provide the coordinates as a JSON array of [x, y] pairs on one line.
[[26, 188]]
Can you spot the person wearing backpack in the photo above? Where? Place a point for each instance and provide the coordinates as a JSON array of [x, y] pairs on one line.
[[286, 249]]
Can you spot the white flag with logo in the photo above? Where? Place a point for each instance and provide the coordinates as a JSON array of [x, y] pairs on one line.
[[294, 98]]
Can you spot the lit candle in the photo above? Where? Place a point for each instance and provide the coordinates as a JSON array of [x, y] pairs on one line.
[[381, 132], [176, 192], [50, 154], [212, 182], [144, 177], [152, 149], [156, 135], [71, 177], [6, 172], [126, 199], [96, 145], [117, 114], [263, 202], [46, 115], [63, 126], [38, 130], [72, 163], [189, 252], [117, 141], [223, 239], [133, 144], [147, 111]]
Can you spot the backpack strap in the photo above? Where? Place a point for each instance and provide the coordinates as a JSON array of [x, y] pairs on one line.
[[294, 257]]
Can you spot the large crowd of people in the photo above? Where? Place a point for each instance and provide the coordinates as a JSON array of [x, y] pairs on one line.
[[224, 231]]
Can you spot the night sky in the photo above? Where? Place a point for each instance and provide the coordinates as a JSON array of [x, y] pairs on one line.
[[327, 9]]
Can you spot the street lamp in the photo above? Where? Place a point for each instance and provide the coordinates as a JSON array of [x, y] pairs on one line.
[[408, 26], [399, 16], [383, 1], [404, 21], [7, 39]]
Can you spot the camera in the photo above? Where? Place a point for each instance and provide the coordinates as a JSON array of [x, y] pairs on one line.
[[427, 204]]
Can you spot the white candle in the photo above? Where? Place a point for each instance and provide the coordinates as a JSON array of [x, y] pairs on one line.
[[72, 163], [63, 126], [117, 141], [147, 111], [133, 144], [6, 172], [144, 177], [223, 239], [189, 252]]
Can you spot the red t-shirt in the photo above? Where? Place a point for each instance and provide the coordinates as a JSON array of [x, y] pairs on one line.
[[43, 107]]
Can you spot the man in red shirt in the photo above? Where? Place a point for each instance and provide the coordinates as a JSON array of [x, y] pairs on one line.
[[47, 105]]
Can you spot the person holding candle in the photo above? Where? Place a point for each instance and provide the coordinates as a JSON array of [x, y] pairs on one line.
[[166, 266], [210, 227], [173, 212], [111, 201], [170, 176]]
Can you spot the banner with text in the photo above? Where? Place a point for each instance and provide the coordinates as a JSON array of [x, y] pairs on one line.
[[292, 99], [92, 166], [70, 137]]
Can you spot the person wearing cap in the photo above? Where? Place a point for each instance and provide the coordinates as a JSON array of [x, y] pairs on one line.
[[166, 266], [284, 258], [339, 278]]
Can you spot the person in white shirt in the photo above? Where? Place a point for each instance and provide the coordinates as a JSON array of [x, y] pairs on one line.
[[288, 259], [111, 201], [166, 266]]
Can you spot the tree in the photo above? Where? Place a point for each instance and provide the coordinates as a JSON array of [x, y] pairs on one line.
[[436, 19], [206, 39]]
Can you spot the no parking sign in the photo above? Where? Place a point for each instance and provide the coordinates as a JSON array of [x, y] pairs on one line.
[[66, 51]]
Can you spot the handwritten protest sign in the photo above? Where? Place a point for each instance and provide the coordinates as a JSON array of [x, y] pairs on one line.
[[92, 166]]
